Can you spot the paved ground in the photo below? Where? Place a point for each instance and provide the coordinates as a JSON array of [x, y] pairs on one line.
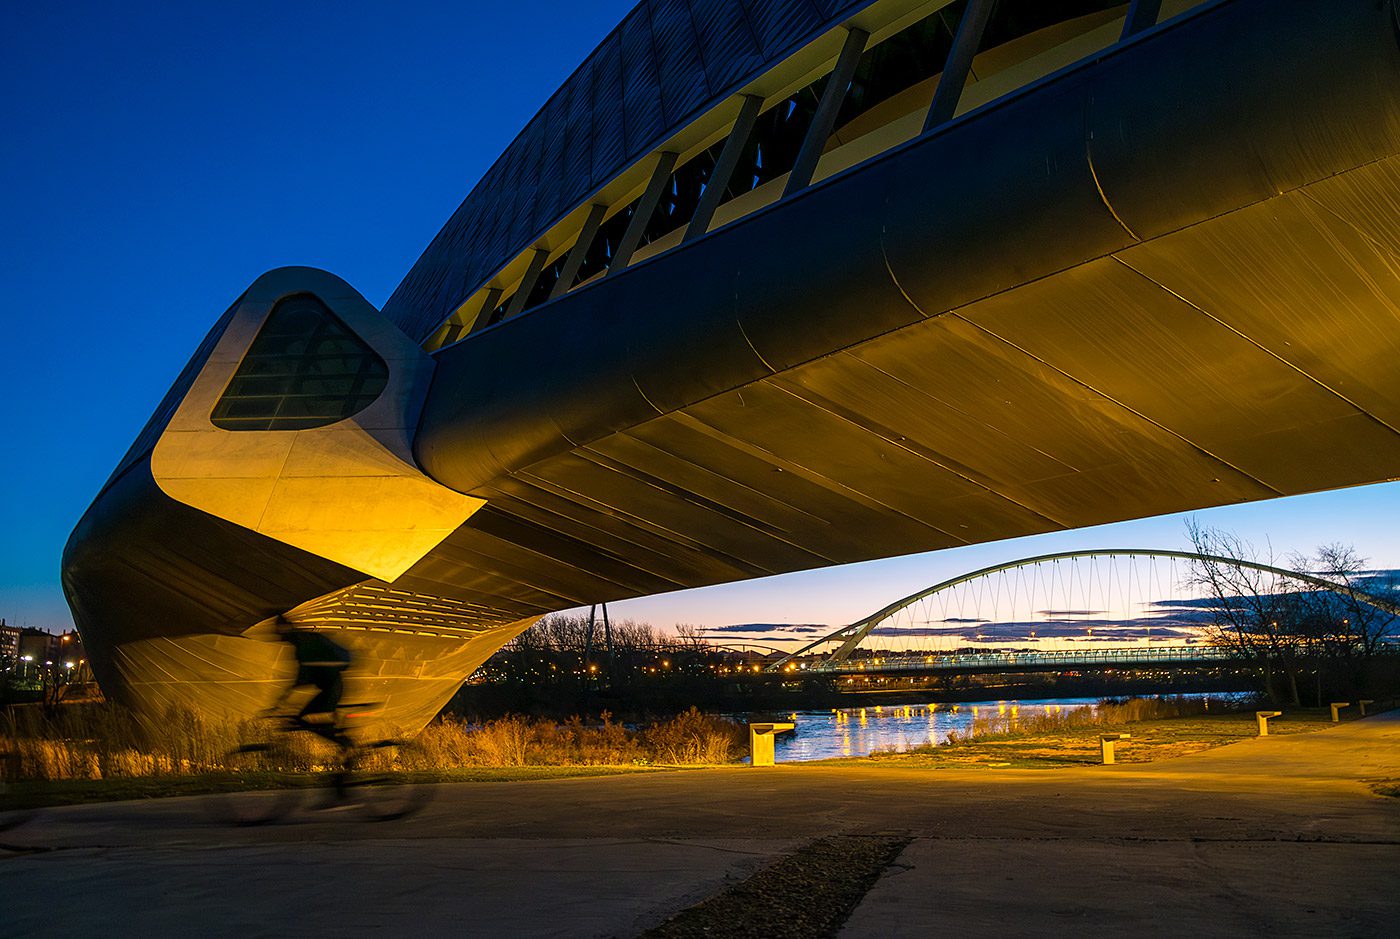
[[1280, 836]]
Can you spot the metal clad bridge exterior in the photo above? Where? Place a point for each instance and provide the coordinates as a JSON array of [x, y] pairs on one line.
[[668, 61]]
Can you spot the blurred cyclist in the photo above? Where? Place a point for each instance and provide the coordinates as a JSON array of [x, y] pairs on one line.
[[321, 663]]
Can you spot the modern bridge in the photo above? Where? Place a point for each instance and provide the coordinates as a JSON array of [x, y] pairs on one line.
[[775, 285], [901, 638]]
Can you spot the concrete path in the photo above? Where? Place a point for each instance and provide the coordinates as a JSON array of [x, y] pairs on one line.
[[1279, 836]]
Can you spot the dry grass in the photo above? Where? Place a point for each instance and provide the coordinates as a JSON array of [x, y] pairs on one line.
[[91, 742], [1161, 728]]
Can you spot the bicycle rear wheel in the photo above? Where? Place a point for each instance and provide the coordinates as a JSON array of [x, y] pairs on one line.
[[253, 796], [10, 816], [385, 780]]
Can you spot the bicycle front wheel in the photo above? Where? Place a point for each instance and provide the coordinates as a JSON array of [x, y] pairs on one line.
[[256, 792]]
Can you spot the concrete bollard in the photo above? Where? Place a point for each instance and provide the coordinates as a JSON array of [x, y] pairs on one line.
[[1361, 704], [1106, 744], [761, 742], [1336, 710], [1263, 718]]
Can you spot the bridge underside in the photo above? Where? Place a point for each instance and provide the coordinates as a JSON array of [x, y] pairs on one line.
[[1166, 281], [1162, 280], [1243, 358]]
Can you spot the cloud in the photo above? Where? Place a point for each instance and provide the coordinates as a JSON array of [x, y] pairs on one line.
[[768, 629]]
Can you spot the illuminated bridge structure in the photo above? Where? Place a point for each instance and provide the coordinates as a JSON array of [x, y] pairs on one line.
[[1058, 660], [773, 285], [905, 636]]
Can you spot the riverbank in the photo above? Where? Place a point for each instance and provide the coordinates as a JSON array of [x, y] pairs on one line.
[[1277, 836], [73, 767], [1150, 741]]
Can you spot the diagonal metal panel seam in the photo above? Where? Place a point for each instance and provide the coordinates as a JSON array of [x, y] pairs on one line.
[[941, 460], [816, 557], [611, 463], [665, 512], [736, 484], [1375, 242], [500, 518], [1120, 404], [944, 403], [844, 554], [647, 525], [550, 500], [731, 483], [642, 557], [529, 560], [1261, 347], [515, 584], [824, 482]]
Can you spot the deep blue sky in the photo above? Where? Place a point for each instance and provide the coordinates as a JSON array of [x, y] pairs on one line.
[[157, 158]]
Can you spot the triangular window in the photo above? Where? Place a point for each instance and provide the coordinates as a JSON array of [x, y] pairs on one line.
[[305, 369]]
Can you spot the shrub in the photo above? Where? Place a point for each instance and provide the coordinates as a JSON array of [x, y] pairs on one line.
[[693, 737]]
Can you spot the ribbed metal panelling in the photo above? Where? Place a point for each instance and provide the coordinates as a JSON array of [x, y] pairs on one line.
[[578, 141], [609, 128], [641, 89], [775, 21], [666, 62], [684, 84], [728, 44]]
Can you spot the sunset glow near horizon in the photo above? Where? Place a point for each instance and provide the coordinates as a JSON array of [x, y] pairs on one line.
[[1361, 517], [147, 203]]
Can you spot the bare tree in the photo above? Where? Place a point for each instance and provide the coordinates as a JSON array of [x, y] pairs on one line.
[[1347, 625], [1254, 612], [1332, 618], [691, 638], [1368, 601]]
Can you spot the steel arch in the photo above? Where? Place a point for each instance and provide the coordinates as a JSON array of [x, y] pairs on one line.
[[856, 632]]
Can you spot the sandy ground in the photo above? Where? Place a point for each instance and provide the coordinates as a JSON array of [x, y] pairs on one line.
[[1279, 836]]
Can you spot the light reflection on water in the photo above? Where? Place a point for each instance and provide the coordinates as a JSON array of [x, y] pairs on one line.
[[822, 735]]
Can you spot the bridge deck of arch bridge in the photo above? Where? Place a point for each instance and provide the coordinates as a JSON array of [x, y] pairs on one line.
[[1025, 661]]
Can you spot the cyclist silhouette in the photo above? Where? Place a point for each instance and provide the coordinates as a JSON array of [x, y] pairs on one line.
[[321, 663]]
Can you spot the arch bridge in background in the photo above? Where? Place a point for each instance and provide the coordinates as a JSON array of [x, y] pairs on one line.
[[853, 635]]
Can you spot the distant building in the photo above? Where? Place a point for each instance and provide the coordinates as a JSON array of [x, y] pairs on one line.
[[9, 643], [41, 647], [36, 645]]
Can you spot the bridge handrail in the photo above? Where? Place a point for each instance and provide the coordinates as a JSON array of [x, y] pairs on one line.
[[1058, 656]]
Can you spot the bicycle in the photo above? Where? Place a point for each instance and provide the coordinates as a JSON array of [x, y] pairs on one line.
[[9, 771], [374, 779]]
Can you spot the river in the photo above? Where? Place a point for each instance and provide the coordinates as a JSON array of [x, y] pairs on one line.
[[859, 731]]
